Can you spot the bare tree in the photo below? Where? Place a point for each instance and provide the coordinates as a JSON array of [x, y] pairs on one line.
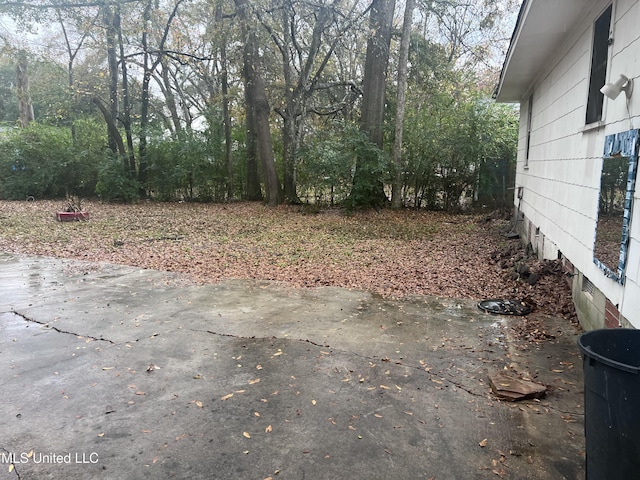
[[258, 104], [396, 188], [306, 37], [149, 66], [368, 187], [25, 107]]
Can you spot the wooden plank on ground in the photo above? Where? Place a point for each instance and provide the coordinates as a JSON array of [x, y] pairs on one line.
[[511, 388]]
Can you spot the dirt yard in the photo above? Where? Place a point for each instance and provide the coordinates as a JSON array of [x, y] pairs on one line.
[[392, 253]]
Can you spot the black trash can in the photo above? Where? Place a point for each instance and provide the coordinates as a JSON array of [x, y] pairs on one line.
[[611, 362]]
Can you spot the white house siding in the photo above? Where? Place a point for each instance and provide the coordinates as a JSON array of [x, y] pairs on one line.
[[626, 59], [561, 181]]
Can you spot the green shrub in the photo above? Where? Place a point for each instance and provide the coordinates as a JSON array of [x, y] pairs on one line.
[[44, 161], [115, 182], [185, 168], [33, 162]]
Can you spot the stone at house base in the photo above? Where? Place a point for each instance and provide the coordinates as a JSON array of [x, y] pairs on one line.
[[513, 389]]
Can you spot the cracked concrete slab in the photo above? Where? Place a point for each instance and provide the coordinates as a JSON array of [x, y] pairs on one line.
[[114, 372]]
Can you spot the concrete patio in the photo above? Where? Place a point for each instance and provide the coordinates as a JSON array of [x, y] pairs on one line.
[[111, 372]]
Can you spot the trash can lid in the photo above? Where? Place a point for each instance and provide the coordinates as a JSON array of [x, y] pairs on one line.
[[618, 348], [504, 307]]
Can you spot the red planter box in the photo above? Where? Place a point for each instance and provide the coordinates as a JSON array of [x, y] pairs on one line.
[[72, 216]]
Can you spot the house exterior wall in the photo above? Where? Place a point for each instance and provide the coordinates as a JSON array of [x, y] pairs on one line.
[[559, 179]]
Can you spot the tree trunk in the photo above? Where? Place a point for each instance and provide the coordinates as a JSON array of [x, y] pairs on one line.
[[291, 112], [253, 191], [259, 104], [25, 107], [226, 114], [368, 187], [170, 99], [126, 120], [226, 111], [396, 188], [112, 61], [375, 70], [112, 128], [289, 151], [144, 101], [70, 80]]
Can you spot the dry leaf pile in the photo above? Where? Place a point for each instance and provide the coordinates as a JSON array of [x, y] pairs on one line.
[[391, 253]]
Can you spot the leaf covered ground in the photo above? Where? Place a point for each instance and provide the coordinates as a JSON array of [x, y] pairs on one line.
[[391, 253]]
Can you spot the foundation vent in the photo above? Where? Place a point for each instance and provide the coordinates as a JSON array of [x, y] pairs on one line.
[[588, 286]]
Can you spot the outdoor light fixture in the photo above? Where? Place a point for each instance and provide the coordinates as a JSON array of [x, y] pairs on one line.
[[612, 90]]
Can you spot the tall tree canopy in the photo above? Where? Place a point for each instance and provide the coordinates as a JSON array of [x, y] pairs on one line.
[[285, 100]]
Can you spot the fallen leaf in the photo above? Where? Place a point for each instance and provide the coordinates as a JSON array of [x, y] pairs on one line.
[[199, 403], [393, 234], [246, 434], [313, 402], [484, 442], [269, 429]]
